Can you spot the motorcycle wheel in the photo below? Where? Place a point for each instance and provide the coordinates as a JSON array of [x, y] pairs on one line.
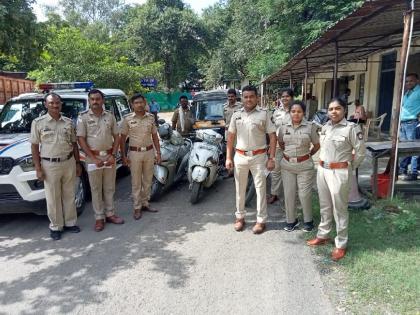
[[250, 190], [157, 189], [195, 193]]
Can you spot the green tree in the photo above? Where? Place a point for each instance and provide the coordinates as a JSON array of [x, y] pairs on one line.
[[21, 39], [70, 56], [167, 32]]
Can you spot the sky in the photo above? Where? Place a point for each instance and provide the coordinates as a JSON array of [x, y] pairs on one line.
[[196, 5]]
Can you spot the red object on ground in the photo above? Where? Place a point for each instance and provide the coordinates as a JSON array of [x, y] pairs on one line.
[[383, 184]]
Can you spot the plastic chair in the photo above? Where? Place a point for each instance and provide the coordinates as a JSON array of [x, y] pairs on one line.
[[375, 124]]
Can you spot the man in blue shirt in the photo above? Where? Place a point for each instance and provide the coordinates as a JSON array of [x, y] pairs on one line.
[[154, 109], [409, 121]]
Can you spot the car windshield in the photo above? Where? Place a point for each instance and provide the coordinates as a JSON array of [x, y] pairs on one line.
[[17, 116], [210, 109]]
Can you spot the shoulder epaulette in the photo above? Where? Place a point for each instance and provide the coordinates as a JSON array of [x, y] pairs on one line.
[[40, 118]]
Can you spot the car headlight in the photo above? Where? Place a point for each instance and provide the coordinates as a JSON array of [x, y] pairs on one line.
[[26, 163]]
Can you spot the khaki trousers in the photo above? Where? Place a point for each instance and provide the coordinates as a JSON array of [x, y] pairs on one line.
[[300, 177], [257, 165], [102, 186], [59, 186], [333, 190], [142, 167], [276, 178]]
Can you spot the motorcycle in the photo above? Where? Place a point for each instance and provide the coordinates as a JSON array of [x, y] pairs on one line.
[[175, 153], [205, 162]]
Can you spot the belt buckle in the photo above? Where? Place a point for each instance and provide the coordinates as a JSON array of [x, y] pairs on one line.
[[143, 149], [249, 153], [326, 165], [103, 153], [293, 159]]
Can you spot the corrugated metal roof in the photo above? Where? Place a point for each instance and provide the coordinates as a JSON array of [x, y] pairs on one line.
[[377, 25]]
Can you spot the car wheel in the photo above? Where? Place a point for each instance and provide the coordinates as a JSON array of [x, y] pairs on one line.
[[81, 193]]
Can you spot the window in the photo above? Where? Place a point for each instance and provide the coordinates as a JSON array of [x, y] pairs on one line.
[[122, 106], [110, 105]]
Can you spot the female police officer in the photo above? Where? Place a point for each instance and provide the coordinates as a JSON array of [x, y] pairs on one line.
[[339, 140], [296, 137]]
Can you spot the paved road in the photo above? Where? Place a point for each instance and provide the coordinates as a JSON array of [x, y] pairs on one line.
[[182, 260]]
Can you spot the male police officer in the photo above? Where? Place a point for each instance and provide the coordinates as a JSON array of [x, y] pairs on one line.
[[97, 132], [55, 164], [183, 117], [230, 107], [249, 127], [141, 129]]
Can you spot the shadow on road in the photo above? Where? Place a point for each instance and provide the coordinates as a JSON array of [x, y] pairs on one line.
[[62, 275]]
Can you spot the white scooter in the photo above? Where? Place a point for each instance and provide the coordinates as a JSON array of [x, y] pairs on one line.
[[175, 151], [205, 162]]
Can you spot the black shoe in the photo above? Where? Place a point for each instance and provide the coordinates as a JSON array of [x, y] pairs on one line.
[[291, 226], [55, 235], [72, 229], [308, 226], [410, 177]]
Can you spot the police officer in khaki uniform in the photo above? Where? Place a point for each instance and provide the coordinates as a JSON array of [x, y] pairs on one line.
[[296, 137], [141, 129], [230, 107], [183, 118], [281, 115], [97, 132], [339, 140], [55, 154], [249, 127]]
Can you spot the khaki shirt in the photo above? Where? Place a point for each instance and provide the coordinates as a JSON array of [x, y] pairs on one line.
[[139, 129], [338, 142], [229, 110], [251, 128], [188, 120], [297, 140], [56, 137], [99, 131], [280, 116]]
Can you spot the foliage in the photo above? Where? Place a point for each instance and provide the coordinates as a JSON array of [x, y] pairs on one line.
[[259, 36], [70, 56], [20, 36], [168, 32], [382, 263]]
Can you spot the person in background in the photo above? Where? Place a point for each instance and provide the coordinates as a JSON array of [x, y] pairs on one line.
[[345, 96], [410, 112], [359, 114], [299, 141], [339, 139], [154, 108], [230, 107], [183, 118]]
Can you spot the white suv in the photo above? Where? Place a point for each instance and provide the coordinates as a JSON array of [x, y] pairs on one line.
[[20, 191]]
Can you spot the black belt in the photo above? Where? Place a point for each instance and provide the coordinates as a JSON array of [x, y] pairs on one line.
[[409, 121], [57, 160]]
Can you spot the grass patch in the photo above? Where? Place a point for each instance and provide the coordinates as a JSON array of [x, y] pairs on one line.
[[382, 266]]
